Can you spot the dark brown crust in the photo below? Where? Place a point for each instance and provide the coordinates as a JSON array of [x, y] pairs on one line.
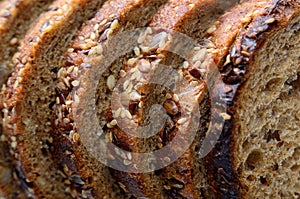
[[222, 167]]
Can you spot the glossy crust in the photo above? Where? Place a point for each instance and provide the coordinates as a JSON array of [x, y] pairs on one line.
[[60, 16], [222, 166]]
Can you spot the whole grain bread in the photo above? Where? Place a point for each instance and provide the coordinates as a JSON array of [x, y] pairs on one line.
[[179, 16], [115, 16], [15, 19], [243, 73], [258, 150], [30, 92]]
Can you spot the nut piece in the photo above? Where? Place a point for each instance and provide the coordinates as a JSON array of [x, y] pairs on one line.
[[111, 82]]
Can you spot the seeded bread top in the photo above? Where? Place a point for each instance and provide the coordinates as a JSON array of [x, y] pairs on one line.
[[86, 45], [115, 16]]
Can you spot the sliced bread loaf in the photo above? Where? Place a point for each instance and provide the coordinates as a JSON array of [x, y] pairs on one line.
[[30, 93], [179, 16], [15, 19]]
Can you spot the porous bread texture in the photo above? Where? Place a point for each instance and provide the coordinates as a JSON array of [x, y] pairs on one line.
[[255, 104], [30, 93], [115, 16], [15, 18], [267, 118]]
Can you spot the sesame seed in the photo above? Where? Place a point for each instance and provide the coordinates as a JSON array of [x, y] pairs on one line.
[[185, 64], [125, 85], [128, 114], [57, 100], [85, 65], [245, 53], [118, 113], [16, 84], [75, 83], [114, 24], [66, 81], [167, 159], [168, 96], [109, 125], [129, 88], [103, 22], [131, 61], [75, 137], [114, 122], [137, 51], [182, 120], [13, 41], [127, 162], [93, 36], [192, 5], [81, 38], [122, 73], [123, 113], [246, 19], [225, 116], [211, 29], [96, 27], [141, 104], [270, 20], [76, 98], [148, 30], [24, 60], [70, 50], [211, 50], [109, 33], [70, 69], [134, 96], [111, 82], [193, 83], [129, 156], [69, 102], [13, 138], [176, 98], [14, 144], [145, 49]]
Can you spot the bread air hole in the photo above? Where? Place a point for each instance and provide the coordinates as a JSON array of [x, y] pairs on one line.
[[254, 159]]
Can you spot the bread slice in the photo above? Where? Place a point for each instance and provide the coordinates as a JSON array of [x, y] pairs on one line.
[[178, 16], [182, 178], [30, 93], [115, 16], [258, 149], [15, 19]]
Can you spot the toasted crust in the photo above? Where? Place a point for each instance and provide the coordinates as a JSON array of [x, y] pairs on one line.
[[58, 24]]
